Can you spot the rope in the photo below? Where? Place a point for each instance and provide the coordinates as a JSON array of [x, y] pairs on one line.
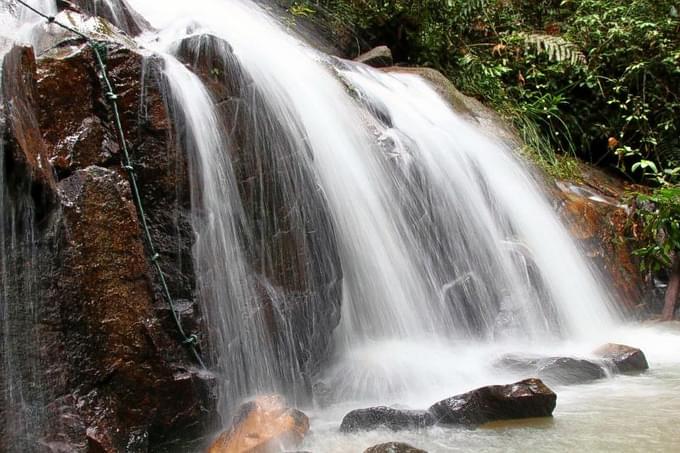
[[99, 49]]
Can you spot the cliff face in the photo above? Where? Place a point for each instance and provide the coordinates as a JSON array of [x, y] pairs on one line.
[[111, 370]]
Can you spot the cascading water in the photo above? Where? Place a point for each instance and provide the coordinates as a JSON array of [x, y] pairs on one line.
[[240, 347], [23, 386], [438, 227]]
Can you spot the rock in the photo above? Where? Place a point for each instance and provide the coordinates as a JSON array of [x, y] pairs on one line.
[[625, 358], [263, 425], [118, 12], [595, 212], [385, 417], [567, 370], [378, 57], [555, 370], [393, 447], [524, 399], [118, 379]]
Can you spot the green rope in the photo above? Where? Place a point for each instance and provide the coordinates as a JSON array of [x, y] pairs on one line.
[[99, 50]]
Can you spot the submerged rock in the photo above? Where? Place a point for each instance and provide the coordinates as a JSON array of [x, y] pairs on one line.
[[567, 370], [393, 447], [555, 370], [263, 425], [378, 57], [626, 359], [524, 399], [385, 417]]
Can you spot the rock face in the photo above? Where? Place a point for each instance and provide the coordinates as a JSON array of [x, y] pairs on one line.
[[524, 399], [378, 57], [598, 218], [555, 370], [625, 358], [393, 447], [118, 378], [263, 425], [385, 417]]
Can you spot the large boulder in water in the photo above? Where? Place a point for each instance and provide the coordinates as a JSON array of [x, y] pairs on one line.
[[625, 358], [393, 447], [524, 399], [385, 417], [263, 425]]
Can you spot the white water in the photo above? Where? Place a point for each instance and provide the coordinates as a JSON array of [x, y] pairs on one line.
[[438, 225], [439, 228]]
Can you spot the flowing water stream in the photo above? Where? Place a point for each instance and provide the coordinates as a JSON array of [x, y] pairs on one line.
[[451, 256]]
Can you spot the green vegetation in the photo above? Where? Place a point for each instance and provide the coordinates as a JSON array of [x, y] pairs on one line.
[[597, 79]]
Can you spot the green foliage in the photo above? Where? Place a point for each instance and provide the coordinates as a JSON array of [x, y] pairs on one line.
[[659, 214]]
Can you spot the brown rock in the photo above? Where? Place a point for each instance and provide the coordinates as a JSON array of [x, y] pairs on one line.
[[625, 358], [596, 216], [393, 447], [524, 399], [117, 376], [261, 426]]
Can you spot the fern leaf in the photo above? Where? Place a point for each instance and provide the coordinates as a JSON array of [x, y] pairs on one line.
[[556, 47]]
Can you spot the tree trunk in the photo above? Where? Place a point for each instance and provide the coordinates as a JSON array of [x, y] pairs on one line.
[[672, 290]]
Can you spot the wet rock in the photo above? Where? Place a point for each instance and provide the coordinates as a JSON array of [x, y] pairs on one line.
[[385, 417], [118, 378], [378, 57], [263, 425], [524, 399], [118, 12], [394, 447], [626, 359], [596, 214], [555, 370]]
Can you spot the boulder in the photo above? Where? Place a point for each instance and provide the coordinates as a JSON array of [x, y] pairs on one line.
[[626, 359], [263, 425], [385, 417], [393, 447], [555, 370], [524, 399], [378, 57]]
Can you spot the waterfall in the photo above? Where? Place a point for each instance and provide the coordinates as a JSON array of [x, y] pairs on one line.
[[439, 239], [443, 235], [240, 347]]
